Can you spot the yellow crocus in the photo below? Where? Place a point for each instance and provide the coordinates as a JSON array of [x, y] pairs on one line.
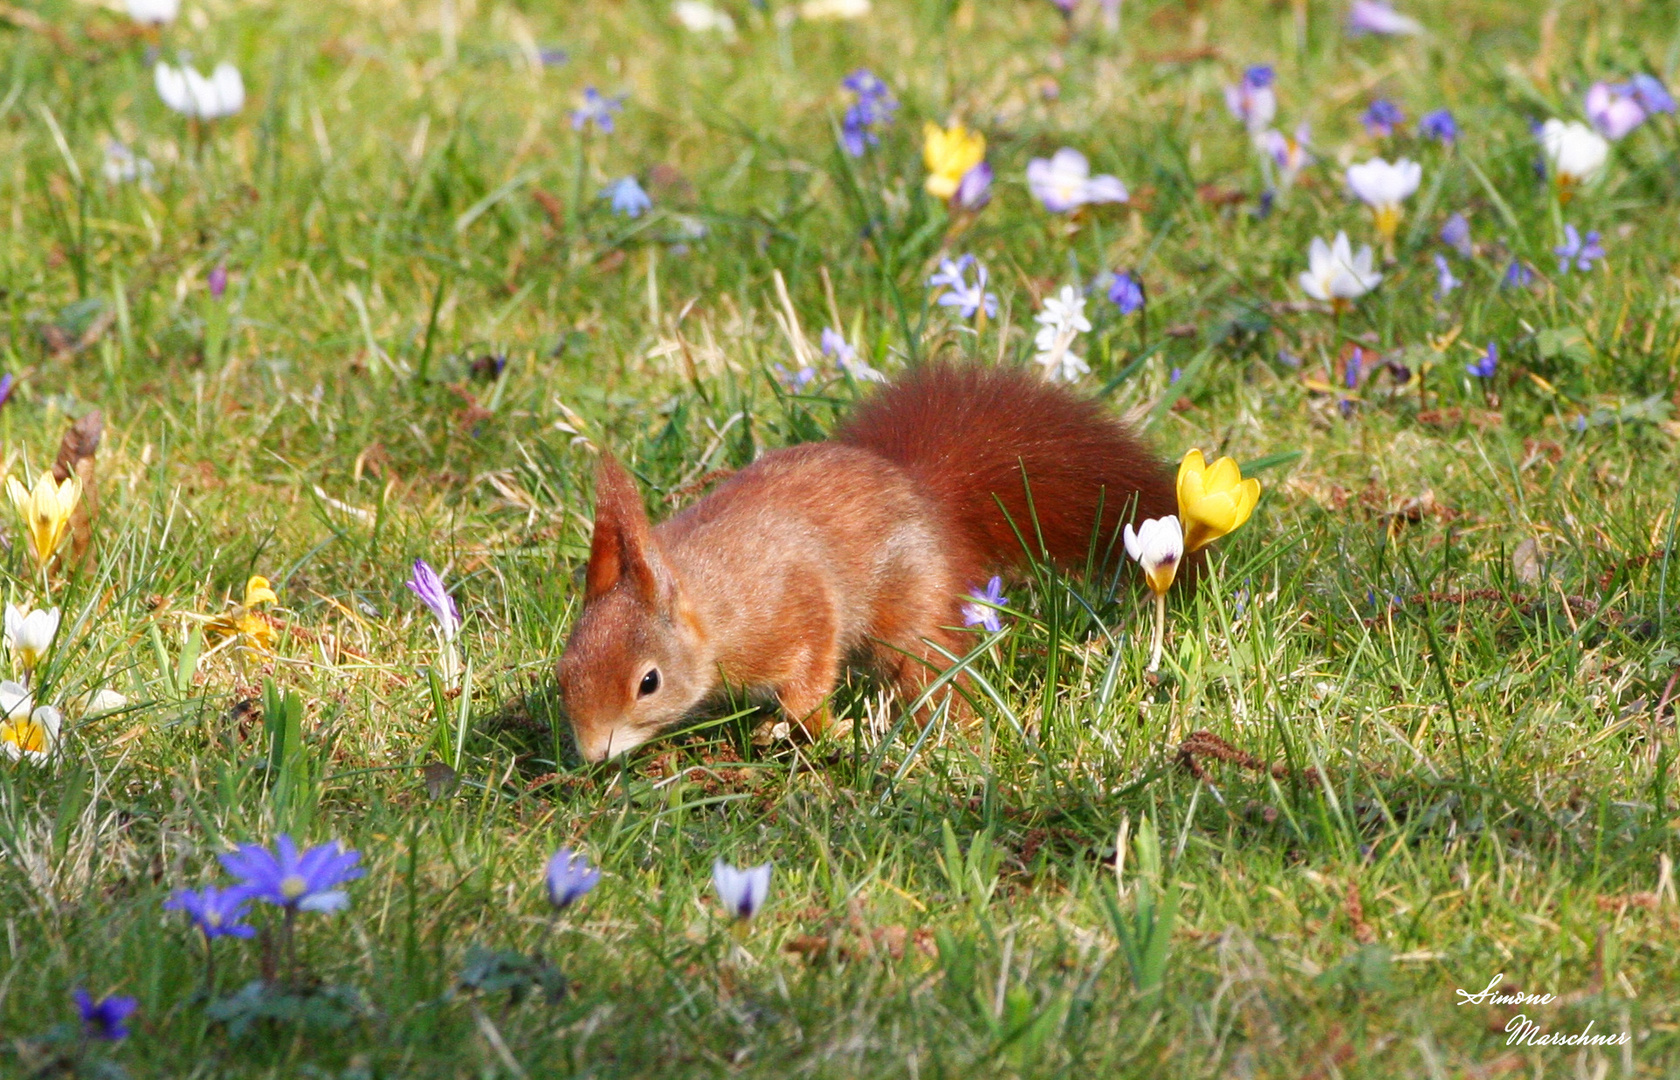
[[244, 624], [1212, 500], [45, 511], [257, 591], [949, 153]]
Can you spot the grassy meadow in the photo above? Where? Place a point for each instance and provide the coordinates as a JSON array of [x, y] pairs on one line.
[[1414, 730]]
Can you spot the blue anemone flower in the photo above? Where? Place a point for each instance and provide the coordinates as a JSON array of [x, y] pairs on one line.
[[296, 881], [105, 1019], [216, 912]]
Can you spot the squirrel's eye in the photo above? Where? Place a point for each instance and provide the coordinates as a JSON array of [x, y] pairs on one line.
[[650, 683]]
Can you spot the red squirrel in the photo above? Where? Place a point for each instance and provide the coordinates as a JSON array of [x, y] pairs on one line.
[[863, 547]]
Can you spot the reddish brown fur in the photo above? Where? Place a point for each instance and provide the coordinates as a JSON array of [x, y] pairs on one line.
[[860, 547], [966, 433]]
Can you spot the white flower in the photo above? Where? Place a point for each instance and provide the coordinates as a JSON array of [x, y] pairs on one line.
[[25, 731], [741, 892], [1253, 104], [1063, 182], [1383, 187], [105, 700], [154, 12], [124, 166], [30, 634], [1158, 546], [1062, 320], [15, 700], [834, 9], [701, 17], [1574, 151], [191, 94], [1335, 275]]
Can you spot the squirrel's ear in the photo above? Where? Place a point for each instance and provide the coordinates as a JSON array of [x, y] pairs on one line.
[[623, 545]]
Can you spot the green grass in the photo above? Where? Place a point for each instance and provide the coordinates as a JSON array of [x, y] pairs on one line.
[[1497, 774]]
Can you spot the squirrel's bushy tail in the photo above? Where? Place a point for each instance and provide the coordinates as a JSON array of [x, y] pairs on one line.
[[965, 433]]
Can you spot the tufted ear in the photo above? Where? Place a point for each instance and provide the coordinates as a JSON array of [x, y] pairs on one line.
[[623, 547]]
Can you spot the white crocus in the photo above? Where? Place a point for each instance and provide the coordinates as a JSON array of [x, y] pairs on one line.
[[27, 733], [834, 9], [1062, 320], [154, 12], [29, 634], [105, 700], [1063, 182], [192, 95], [1157, 545], [1574, 152], [1383, 187], [742, 892], [702, 18], [1336, 275]]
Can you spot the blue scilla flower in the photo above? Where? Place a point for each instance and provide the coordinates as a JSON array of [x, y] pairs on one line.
[[1486, 364], [627, 197], [1439, 125], [597, 110]]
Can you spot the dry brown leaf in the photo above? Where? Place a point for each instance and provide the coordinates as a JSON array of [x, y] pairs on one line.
[[76, 458]]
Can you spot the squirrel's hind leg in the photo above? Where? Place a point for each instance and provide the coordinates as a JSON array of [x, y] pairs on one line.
[[913, 664], [813, 671]]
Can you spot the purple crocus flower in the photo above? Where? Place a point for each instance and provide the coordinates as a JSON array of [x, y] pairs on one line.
[[7, 381], [106, 1019], [1126, 292], [1379, 17], [552, 57], [597, 109], [1439, 125], [627, 197], [974, 190], [1456, 235], [216, 912], [569, 878], [1651, 94], [1517, 276], [1445, 282], [218, 281], [1355, 367], [1383, 117], [295, 881], [873, 108], [1583, 253], [1613, 109], [984, 614], [1486, 364], [429, 588]]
